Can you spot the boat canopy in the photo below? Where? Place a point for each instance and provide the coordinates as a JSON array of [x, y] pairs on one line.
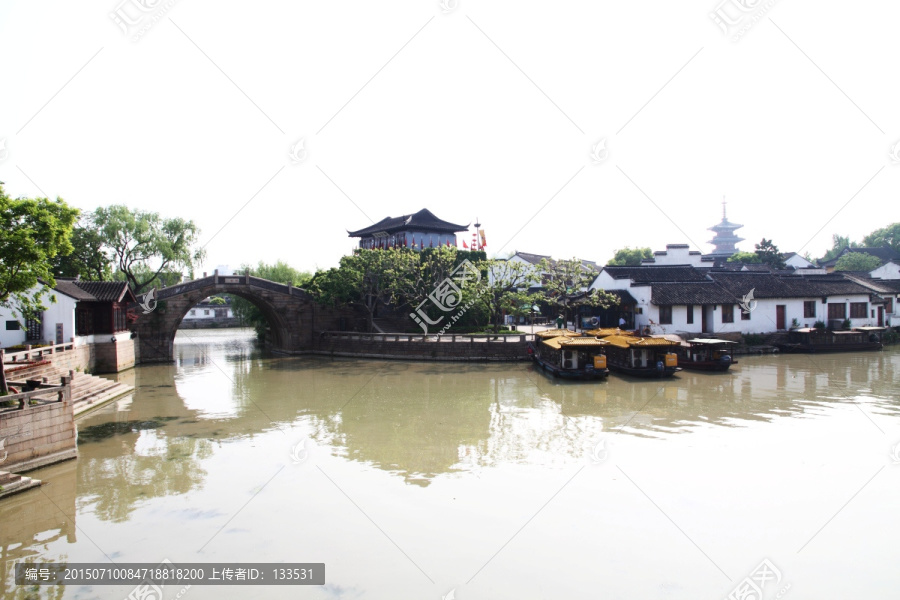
[[710, 341], [558, 343], [553, 333], [606, 331], [630, 341]]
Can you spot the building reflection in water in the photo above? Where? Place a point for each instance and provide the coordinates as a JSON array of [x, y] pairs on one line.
[[35, 524], [421, 420]]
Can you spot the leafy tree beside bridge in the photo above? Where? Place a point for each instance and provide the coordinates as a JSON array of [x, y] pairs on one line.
[[280, 272], [33, 233]]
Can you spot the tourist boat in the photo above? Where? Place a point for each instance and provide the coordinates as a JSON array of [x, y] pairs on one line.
[[706, 355], [811, 340], [604, 332], [642, 356], [570, 356]]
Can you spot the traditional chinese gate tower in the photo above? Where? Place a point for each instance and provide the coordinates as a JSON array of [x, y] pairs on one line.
[[419, 230]]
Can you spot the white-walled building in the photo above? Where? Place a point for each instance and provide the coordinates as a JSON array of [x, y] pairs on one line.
[[889, 270], [679, 254], [55, 323], [82, 311], [531, 261], [209, 311], [794, 261], [687, 299]]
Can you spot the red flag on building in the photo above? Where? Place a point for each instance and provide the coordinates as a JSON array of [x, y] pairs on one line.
[[465, 245], [422, 244], [483, 240]]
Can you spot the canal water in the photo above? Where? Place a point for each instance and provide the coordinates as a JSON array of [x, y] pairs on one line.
[[482, 481]]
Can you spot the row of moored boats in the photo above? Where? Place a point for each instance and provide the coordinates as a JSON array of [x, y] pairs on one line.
[[593, 354]]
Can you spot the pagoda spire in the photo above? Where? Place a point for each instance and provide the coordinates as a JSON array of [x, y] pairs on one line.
[[725, 239]]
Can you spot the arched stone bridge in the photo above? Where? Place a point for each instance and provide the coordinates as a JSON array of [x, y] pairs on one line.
[[293, 316]]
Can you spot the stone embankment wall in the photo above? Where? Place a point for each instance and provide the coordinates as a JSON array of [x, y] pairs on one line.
[[420, 347], [37, 436], [112, 357]]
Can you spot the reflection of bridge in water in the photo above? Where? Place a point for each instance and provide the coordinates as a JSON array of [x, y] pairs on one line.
[[415, 420], [291, 313]]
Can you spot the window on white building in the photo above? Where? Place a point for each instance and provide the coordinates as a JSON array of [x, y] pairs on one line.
[[809, 309]]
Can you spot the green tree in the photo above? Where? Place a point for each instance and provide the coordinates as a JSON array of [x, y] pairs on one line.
[[505, 288], [886, 236], [630, 257], [520, 303], [857, 261], [769, 254], [838, 243], [748, 258], [365, 279], [416, 273], [89, 258], [280, 272], [33, 232], [565, 281], [145, 245]]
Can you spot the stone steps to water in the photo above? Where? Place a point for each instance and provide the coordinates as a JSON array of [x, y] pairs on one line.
[[37, 372], [88, 391], [11, 483], [117, 391]]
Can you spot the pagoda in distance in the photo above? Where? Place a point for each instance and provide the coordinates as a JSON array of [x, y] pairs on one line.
[[725, 240]]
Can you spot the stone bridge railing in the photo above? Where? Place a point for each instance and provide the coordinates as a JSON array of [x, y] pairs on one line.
[[216, 279]]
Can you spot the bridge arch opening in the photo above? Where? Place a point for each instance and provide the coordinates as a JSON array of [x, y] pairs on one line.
[[287, 311], [276, 326]]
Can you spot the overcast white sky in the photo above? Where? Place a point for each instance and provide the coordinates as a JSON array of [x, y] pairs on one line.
[[488, 110]]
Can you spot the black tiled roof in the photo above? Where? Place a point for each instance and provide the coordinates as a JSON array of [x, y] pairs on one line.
[[728, 287], [695, 292], [531, 258], [95, 291], [652, 273], [624, 296], [881, 286], [424, 220], [67, 286], [737, 266], [883, 253], [767, 285]]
